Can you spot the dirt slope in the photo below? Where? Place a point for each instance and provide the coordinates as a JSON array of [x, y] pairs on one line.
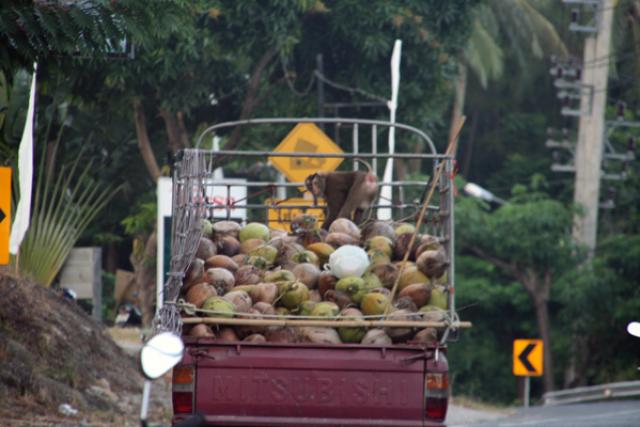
[[52, 352]]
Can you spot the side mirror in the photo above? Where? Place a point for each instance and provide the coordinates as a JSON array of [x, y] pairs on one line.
[[161, 353], [634, 329]]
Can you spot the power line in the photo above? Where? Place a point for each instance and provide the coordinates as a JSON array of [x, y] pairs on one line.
[[351, 90]]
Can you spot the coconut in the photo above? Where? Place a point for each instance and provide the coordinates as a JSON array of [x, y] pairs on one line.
[[432, 313], [428, 242], [320, 335], [286, 252], [221, 306], [258, 262], [376, 337], [383, 291], [378, 228], [248, 275], [402, 246], [221, 261], [264, 292], [387, 273], [221, 279], [227, 334], [194, 274], [405, 303], [240, 299], [206, 248], [254, 230], [293, 294], [351, 334], [411, 275], [336, 239], [314, 295], [340, 298], [201, 330], [264, 308], [303, 222], [379, 257], [433, 263], [282, 311], [256, 338], [306, 256], [348, 260], [245, 288], [284, 335], [226, 228], [240, 259], [308, 274], [374, 304], [352, 286], [326, 281], [344, 225], [275, 233], [371, 281], [306, 307], [404, 228], [311, 236], [325, 309], [207, 227], [439, 297], [322, 250], [399, 334], [228, 245], [380, 244], [279, 276], [269, 253], [418, 292], [426, 336], [249, 245], [197, 294]]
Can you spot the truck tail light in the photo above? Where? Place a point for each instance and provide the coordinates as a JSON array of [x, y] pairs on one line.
[[182, 390], [436, 389]]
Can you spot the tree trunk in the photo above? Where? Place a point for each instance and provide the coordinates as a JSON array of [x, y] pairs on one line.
[[144, 144], [460, 91], [171, 125], [143, 259], [542, 316], [473, 131]]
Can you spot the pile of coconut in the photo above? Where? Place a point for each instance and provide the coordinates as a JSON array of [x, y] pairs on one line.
[[310, 273]]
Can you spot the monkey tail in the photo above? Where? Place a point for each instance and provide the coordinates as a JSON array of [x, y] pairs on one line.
[[369, 168]]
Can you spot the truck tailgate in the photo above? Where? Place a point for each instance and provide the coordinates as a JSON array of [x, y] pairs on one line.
[[308, 385]]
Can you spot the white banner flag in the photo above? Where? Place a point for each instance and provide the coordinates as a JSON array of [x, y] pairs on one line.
[[385, 193], [25, 174]]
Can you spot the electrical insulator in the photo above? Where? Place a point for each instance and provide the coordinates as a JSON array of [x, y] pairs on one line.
[[575, 14], [566, 101], [556, 155], [565, 132], [625, 165], [611, 192], [621, 107], [560, 72], [578, 73], [549, 131], [631, 144]]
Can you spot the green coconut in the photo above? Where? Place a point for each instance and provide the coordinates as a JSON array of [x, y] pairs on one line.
[[322, 250], [325, 309], [374, 304], [371, 281], [279, 276], [350, 334], [207, 227], [405, 228], [411, 275], [254, 230], [293, 294], [269, 253], [353, 286], [433, 313], [378, 257], [258, 262], [306, 256], [380, 244], [221, 306], [306, 307], [439, 297]]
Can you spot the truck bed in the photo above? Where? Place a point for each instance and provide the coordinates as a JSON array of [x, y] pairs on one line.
[[268, 384]]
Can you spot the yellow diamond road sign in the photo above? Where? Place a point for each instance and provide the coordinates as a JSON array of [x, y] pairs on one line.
[[280, 215], [306, 138], [527, 357]]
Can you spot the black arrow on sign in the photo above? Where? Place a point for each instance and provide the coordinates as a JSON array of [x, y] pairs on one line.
[[523, 357], [2, 215]]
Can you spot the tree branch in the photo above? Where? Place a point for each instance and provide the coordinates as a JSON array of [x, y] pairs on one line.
[[509, 268], [144, 144]]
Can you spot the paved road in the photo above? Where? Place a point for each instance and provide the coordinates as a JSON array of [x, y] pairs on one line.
[[599, 414]]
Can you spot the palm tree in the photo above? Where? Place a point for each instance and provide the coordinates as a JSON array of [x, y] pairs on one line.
[[497, 26]]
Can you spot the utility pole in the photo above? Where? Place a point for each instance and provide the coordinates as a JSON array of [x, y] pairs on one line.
[[591, 129]]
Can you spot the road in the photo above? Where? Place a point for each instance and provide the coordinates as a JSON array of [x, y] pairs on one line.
[[598, 414]]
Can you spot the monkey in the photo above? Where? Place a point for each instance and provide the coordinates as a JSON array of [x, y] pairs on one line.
[[348, 194]]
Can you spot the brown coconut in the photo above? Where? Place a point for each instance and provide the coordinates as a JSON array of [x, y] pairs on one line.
[[221, 279], [206, 248], [248, 275], [249, 245], [221, 261], [427, 336], [240, 299], [264, 292], [419, 293], [197, 294], [337, 239], [226, 228], [227, 334], [308, 274], [194, 274], [326, 281], [387, 273], [255, 338], [433, 263], [228, 246], [201, 330], [346, 226]]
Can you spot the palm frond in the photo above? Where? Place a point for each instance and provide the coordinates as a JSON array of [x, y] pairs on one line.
[[483, 55]]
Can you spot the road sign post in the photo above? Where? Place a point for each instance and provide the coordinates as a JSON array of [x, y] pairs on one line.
[[5, 214], [528, 362]]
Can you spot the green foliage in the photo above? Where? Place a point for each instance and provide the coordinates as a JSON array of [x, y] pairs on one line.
[[143, 220]]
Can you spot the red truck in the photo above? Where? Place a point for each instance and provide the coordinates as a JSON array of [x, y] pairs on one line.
[[302, 384]]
